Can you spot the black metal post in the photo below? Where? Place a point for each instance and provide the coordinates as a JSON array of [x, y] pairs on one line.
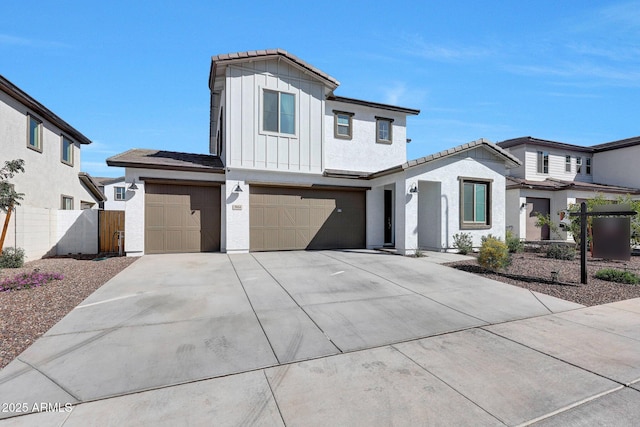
[[583, 243]]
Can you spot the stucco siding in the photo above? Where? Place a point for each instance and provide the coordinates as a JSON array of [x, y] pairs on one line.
[[618, 167], [45, 178], [109, 191], [349, 154]]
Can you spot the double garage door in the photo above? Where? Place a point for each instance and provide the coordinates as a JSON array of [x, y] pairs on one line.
[[303, 218], [181, 218], [186, 218]]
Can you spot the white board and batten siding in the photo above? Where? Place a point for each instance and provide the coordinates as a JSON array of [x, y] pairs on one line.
[[556, 165], [256, 149]]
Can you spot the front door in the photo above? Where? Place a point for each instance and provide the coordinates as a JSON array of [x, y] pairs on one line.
[[388, 218], [535, 206]]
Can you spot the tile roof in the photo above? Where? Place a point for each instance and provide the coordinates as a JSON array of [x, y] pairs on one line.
[[553, 184], [25, 99], [509, 158], [267, 54], [169, 160]]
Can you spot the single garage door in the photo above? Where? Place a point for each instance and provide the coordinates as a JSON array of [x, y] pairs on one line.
[[303, 218], [181, 218]]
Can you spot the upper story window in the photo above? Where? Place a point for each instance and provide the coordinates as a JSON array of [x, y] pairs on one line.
[[578, 164], [34, 133], [384, 130], [343, 125], [543, 162], [475, 203], [119, 193], [278, 112], [588, 165], [67, 203], [567, 163], [66, 155]]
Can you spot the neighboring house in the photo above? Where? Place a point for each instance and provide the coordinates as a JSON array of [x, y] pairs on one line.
[[52, 181], [293, 166], [555, 175], [115, 192]]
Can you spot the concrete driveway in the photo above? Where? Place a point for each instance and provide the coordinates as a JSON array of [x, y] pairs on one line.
[[317, 338]]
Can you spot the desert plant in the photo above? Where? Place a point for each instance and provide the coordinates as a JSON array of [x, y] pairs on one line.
[[494, 254], [463, 242], [12, 258], [563, 252], [619, 276], [488, 236], [513, 242], [542, 220], [28, 280]]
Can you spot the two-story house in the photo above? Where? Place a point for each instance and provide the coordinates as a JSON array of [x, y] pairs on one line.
[[52, 181], [294, 166], [114, 191], [555, 175]]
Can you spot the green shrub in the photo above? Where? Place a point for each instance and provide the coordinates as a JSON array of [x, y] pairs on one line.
[[463, 242], [563, 252], [619, 276], [12, 258], [494, 254], [513, 242]]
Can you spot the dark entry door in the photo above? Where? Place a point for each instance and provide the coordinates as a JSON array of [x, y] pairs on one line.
[[535, 206], [388, 217]]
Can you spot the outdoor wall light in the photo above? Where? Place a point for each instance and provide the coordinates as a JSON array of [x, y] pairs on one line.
[[133, 186], [523, 205], [413, 189], [237, 189]]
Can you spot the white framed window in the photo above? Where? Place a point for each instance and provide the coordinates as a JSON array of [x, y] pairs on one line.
[[67, 203], [543, 162], [343, 124], [475, 203], [278, 112], [567, 163], [119, 193], [588, 165], [66, 155], [34, 133], [384, 130], [578, 164]]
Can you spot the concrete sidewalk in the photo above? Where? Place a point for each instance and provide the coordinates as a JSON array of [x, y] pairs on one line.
[[318, 338]]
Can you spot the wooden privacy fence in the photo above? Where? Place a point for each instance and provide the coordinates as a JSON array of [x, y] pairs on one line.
[[110, 223]]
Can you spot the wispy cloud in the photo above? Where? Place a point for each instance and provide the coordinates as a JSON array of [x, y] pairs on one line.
[[415, 45], [10, 40], [604, 75]]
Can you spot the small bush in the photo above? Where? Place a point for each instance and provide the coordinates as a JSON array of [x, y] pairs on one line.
[[563, 252], [619, 276], [494, 254], [28, 280], [12, 258], [513, 242], [463, 242]]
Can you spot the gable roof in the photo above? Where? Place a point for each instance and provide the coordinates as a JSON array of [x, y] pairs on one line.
[[373, 104], [218, 61], [43, 112], [553, 184], [497, 151], [167, 160], [542, 142]]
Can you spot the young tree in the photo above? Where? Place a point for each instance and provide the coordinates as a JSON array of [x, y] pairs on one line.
[[8, 195]]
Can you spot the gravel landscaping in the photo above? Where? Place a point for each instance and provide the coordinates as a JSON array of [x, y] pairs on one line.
[[27, 314], [533, 271]]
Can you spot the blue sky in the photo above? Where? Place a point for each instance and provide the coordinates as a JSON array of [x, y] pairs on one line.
[[133, 74]]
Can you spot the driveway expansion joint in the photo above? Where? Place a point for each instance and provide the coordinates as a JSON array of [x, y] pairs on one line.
[[60, 386]]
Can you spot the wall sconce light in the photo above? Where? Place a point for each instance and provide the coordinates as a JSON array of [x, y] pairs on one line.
[[413, 189], [237, 189], [523, 205], [133, 186]]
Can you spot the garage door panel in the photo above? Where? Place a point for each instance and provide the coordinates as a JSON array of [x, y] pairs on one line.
[[289, 218], [181, 218]]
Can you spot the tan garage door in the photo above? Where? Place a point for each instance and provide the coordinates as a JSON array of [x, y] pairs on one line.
[[302, 218], [181, 218]]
